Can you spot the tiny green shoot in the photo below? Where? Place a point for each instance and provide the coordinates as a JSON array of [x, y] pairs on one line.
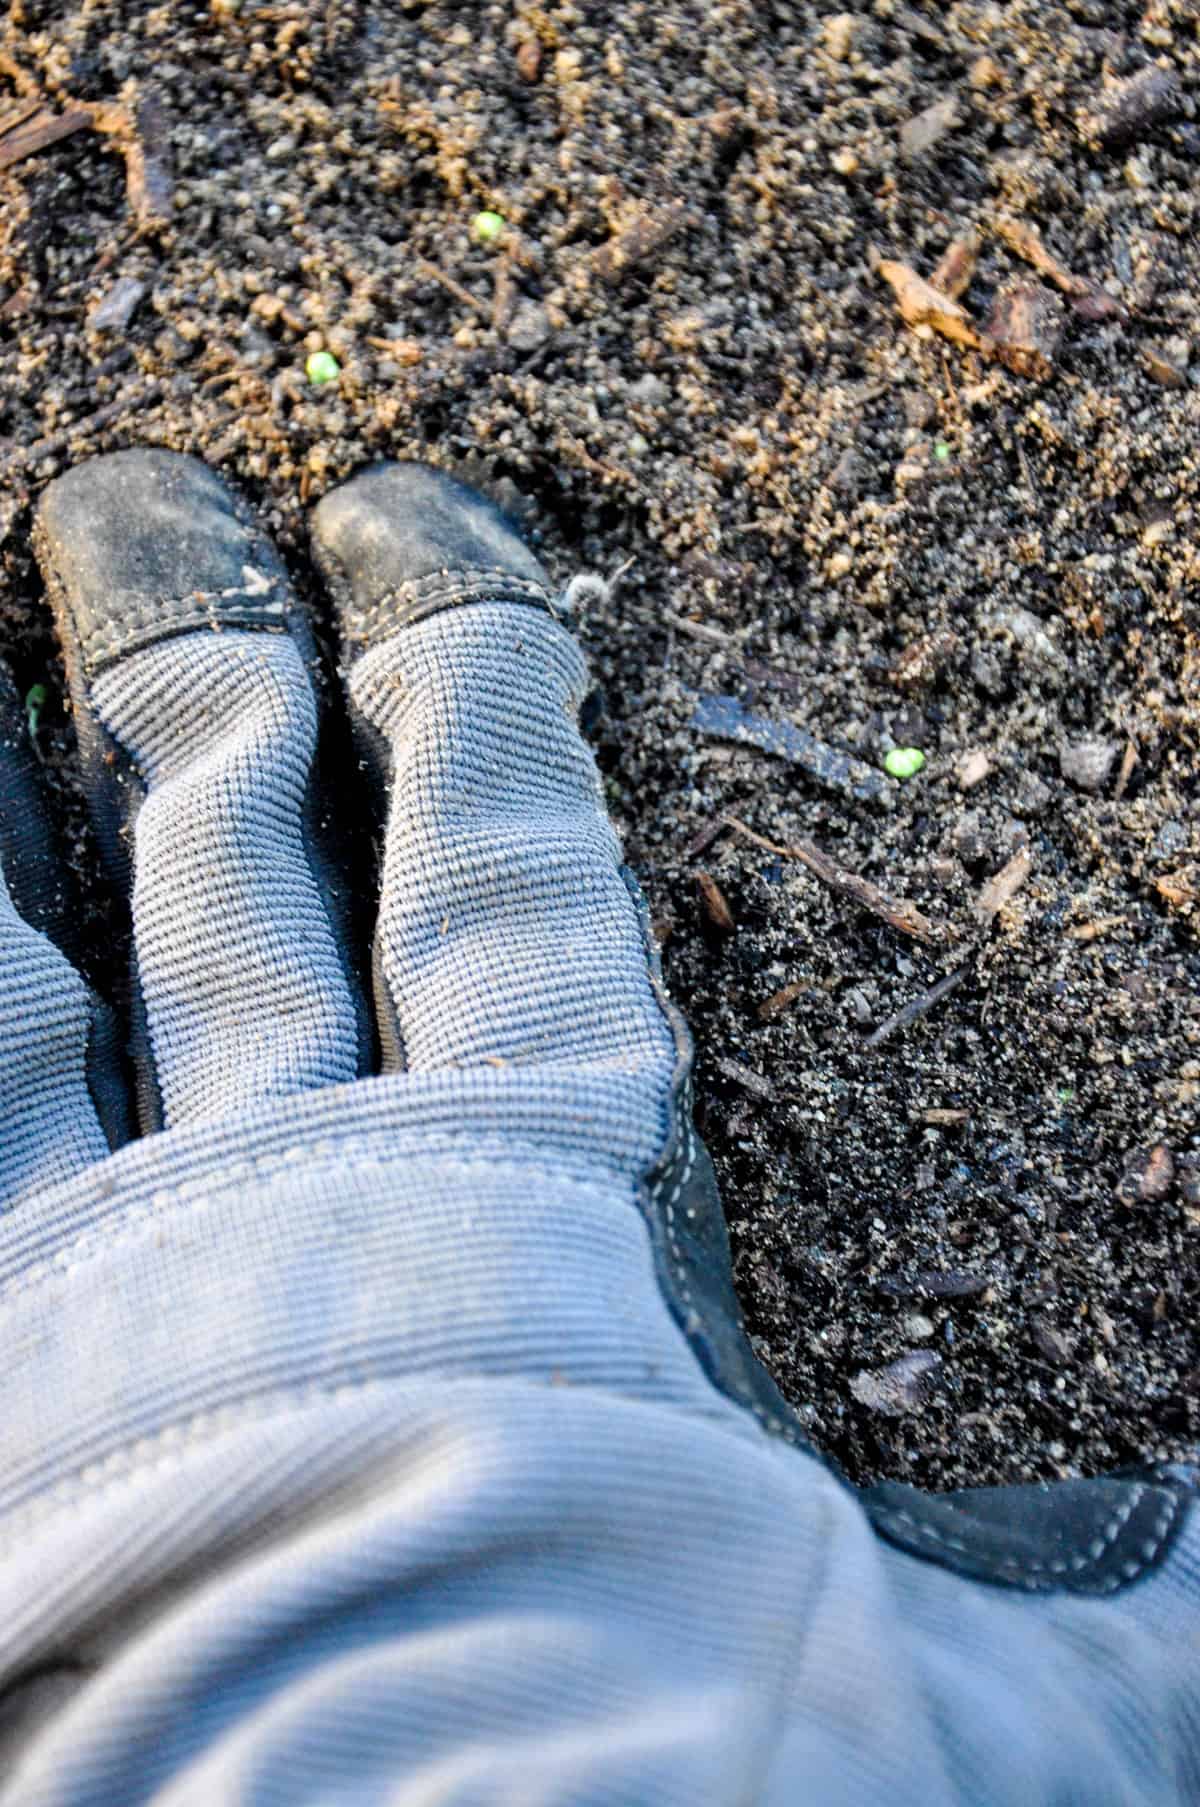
[[322, 367], [487, 226], [904, 762]]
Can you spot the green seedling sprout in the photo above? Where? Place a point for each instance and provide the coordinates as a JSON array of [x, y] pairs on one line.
[[487, 226], [904, 762], [322, 367]]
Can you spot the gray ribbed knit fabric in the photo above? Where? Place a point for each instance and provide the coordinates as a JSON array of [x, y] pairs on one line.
[[243, 991], [50, 1129], [349, 1454]]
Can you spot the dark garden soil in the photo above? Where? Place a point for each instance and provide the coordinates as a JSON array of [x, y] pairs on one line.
[[885, 517]]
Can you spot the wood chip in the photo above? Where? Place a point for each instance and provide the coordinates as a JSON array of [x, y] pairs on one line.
[[31, 127], [943, 1118], [529, 59], [1162, 369], [704, 837], [898, 912], [1024, 329], [1003, 886], [1180, 889], [715, 904], [1128, 760], [149, 176], [956, 266], [779, 1000], [751, 1082], [1092, 931], [1133, 107], [934, 1283], [926, 309]]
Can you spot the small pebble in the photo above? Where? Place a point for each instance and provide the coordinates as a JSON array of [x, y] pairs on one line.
[[530, 327], [1171, 839], [921, 133], [902, 1387], [918, 1328], [1149, 1175], [116, 309], [321, 367], [904, 762], [1087, 763], [845, 161], [487, 226], [973, 768], [838, 31]]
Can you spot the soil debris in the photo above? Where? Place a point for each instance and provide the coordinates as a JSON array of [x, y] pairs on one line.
[[760, 395], [920, 134], [1024, 329], [725, 718], [1002, 886], [916, 1008], [714, 903], [897, 912], [926, 309], [31, 127], [904, 1386], [1088, 763]]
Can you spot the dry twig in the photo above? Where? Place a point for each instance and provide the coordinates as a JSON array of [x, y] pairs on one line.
[[913, 1011], [897, 912]]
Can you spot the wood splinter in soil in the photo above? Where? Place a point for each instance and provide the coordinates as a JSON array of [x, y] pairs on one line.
[[897, 912]]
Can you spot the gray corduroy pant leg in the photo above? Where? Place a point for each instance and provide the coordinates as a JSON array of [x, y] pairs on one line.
[[349, 1453]]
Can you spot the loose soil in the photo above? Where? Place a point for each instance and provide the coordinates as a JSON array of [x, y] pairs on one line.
[[680, 359]]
